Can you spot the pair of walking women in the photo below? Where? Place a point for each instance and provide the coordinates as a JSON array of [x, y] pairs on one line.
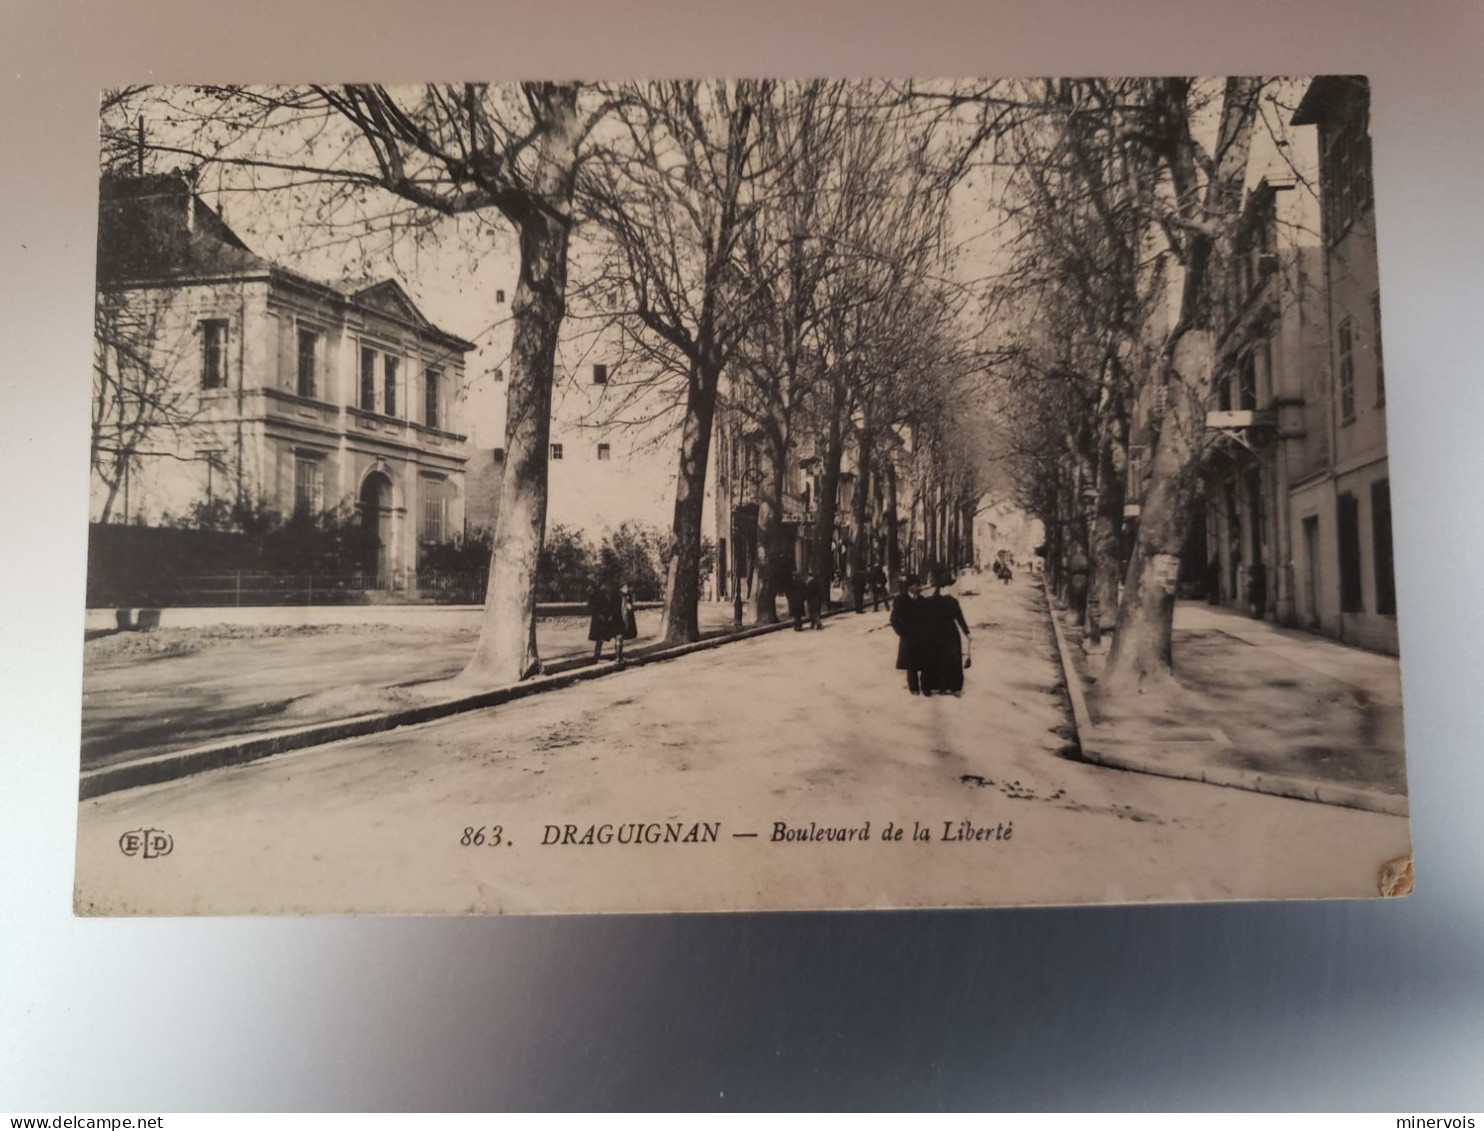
[[611, 617], [928, 645]]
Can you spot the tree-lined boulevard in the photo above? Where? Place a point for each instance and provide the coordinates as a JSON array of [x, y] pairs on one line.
[[790, 727], [886, 333], [939, 291]]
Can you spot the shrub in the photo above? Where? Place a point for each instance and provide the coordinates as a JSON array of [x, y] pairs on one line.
[[568, 566]]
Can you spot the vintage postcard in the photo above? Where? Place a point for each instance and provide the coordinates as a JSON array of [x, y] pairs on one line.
[[738, 495]]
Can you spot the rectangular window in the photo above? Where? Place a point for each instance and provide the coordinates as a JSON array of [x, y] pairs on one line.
[[1347, 511], [1345, 172], [556, 451], [432, 378], [308, 349], [1376, 345], [1381, 547], [214, 353], [309, 486], [1247, 377], [368, 379], [499, 375], [435, 510], [215, 466], [1346, 359], [389, 393], [600, 375], [604, 451]]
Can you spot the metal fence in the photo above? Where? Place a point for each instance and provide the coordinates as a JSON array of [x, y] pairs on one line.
[[452, 587], [249, 587]]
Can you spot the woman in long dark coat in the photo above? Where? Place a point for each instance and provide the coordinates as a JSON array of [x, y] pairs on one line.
[[605, 617], [945, 617]]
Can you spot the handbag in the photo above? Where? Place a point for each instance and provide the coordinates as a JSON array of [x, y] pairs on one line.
[[968, 653]]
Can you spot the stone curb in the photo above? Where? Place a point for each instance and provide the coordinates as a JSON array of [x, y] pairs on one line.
[[233, 752], [1277, 785], [1081, 717]]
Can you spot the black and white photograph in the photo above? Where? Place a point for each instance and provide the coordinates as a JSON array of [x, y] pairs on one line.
[[739, 495]]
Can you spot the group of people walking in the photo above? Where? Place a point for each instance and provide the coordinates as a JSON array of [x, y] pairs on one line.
[[928, 645], [610, 610], [805, 596], [929, 648]]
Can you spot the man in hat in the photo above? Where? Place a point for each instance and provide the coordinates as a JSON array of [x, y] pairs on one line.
[[814, 598], [878, 587], [908, 622]]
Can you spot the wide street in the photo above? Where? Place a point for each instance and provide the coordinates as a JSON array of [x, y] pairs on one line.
[[719, 752]]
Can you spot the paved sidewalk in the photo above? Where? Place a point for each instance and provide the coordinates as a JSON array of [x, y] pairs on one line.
[[149, 694], [1255, 707]]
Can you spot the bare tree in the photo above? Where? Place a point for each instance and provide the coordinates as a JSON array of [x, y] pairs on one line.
[[1205, 196], [671, 199], [507, 153], [142, 408], [1121, 206], [792, 248]]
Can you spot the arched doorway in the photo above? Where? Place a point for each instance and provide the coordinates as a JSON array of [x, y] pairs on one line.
[[375, 505]]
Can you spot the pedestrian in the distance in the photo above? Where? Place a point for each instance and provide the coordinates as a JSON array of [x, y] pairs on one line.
[[814, 599], [908, 622], [628, 626], [604, 615], [793, 591], [878, 587]]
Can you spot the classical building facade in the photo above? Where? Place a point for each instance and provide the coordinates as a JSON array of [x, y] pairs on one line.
[[288, 393], [1296, 524], [1342, 513]]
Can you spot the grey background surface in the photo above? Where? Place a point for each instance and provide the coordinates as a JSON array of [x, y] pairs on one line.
[[1370, 1006]]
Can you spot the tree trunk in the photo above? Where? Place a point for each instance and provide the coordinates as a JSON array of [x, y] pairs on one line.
[[858, 550], [829, 492], [683, 579], [1140, 656], [1106, 544], [507, 640], [929, 530], [893, 531], [770, 529]]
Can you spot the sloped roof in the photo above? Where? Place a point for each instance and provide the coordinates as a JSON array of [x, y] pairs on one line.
[[155, 229], [388, 297], [1327, 95]]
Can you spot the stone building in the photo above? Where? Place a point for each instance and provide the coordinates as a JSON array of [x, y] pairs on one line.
[[293, 394], [1296, 524], [1265, 427], [1346, 584], [601, 474]]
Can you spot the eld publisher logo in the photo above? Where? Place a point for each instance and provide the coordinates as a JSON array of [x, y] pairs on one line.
[[147, 843]]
